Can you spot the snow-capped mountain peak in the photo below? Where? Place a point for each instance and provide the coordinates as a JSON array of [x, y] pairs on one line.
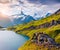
[[23, 18]]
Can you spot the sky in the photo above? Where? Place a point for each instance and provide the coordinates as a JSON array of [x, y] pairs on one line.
[[29, 7]]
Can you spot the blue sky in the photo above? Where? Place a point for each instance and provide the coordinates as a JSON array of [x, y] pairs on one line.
[[44, 1]]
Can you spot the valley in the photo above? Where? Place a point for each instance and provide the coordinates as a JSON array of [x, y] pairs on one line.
[[49, 26]]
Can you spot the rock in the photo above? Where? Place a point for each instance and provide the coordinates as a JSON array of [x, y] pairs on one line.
[[45, 25], [45, 38], [42, 38], [34, 38], [57, 12], [58, 21], [32, 27], [53, 22]]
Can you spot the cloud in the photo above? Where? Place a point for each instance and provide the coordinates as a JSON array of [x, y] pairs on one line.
[[30, 7], [5, 20], [5, 1]]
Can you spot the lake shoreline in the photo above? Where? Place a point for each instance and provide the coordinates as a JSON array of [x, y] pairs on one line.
[[11, 40]]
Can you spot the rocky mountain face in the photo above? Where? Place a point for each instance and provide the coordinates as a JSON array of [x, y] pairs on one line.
[[23, 19], [18, 21], [53, 22], [26, 18], [43, 39], [48, 14], [57, 12]]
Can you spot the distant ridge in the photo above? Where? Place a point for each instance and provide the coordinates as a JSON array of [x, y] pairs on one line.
[[24, 19], [58, 11], [1, 27]]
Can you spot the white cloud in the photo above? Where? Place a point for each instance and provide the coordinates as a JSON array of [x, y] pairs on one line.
[[14, 7]]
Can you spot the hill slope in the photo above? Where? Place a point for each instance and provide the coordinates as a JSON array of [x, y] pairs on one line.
[[49, 26]]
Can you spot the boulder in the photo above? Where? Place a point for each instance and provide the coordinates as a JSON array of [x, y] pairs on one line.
[[42, 38]]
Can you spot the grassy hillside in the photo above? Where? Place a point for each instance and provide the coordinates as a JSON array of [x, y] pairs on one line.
[[52, 31]]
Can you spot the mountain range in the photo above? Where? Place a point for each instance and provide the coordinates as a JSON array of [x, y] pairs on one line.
[[44, 34], [23, 19], [20, 20], [26, 18]]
